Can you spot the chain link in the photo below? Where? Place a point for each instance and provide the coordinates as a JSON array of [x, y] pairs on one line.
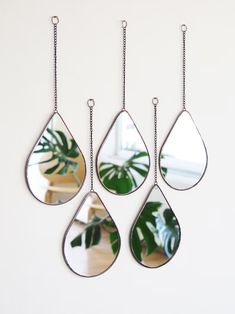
[[124, 25], [155, 103], [184, 29], [55, 21], [91, 104]]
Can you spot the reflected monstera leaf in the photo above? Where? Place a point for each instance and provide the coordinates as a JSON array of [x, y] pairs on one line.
[[55, 169], [92, 242], [64, 151], [123, 158], [155, 235], [92, 233], [183, 154], [121, 179]]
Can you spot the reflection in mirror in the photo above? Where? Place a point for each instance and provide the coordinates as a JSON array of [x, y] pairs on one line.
[[123, 158], [183, 156], [155, 235], [55, 169], [92, 241]]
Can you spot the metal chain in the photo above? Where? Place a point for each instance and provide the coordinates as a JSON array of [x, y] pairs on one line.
[[155, 103], [91, 104], [124, 26], [55, 21], [184, 29]]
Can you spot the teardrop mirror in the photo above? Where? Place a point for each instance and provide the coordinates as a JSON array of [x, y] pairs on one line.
[[123, 160], [91, 242], [183, 156], [55, 169], [155, 235]]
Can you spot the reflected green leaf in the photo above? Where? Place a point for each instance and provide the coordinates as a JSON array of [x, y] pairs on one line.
[[121, 178], [136, 245], [96, 236], [62, 149], [77, 241], [52, 169], [149, 224], [64, 146], [114, 240], [88, 237], [93, 233]]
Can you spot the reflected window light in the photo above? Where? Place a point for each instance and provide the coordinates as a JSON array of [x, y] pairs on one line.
[[126, 134]]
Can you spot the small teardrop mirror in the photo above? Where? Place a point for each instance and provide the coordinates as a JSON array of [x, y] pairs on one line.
[[183, 156], [155, 234], [55, 169], [92, 242], [123, 159]]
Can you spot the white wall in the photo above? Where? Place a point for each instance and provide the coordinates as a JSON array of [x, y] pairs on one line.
[[33, 276]]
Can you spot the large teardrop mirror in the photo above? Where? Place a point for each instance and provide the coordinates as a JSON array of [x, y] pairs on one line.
[[155, 235], [92, 242], [123, 158], [55, 169], [183, 156]]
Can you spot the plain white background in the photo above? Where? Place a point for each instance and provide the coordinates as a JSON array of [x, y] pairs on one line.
[[33, 276]]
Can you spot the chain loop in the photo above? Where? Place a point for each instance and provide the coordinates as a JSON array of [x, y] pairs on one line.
[[155, 102], [124, 26], [184, 29], [55, 21], [91, 104]]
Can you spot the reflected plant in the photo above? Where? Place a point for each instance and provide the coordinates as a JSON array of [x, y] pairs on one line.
[[163, 169], [62, 149], [155, 232], [121, 179], [92, 233]]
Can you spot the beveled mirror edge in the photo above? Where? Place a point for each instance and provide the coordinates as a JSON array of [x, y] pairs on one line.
[[68, 228], [27, 160], [160, 152], [100, 146], [137, 217]]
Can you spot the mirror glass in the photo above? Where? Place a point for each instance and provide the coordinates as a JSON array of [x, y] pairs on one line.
[[183, 156], [92, 241], [123, 158], [155, 235], [55, 169]]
